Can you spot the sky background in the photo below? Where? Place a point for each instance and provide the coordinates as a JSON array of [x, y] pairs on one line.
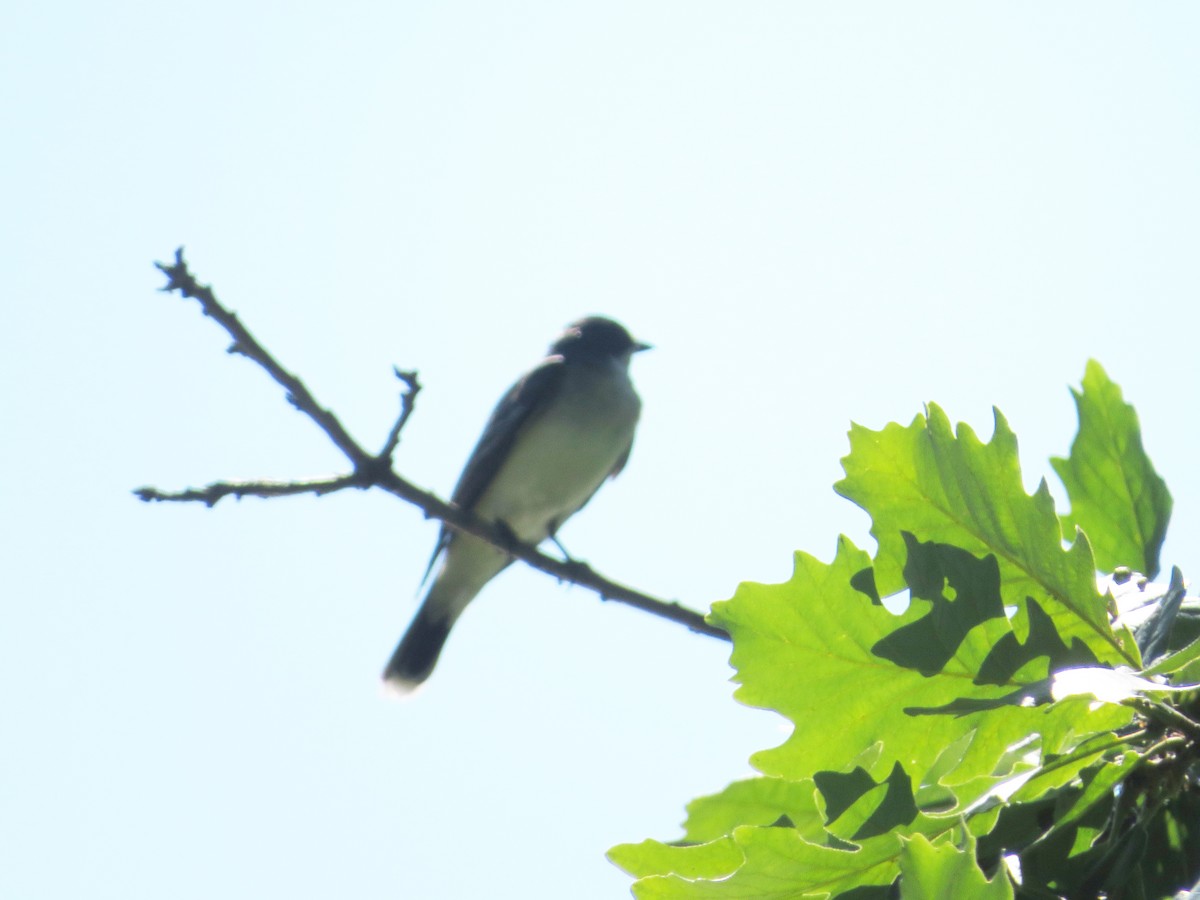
[[818, 213]]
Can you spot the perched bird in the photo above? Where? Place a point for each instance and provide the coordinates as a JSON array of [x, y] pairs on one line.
[[551, 441]]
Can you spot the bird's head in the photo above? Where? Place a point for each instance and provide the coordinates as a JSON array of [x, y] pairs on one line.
[[596, 338]]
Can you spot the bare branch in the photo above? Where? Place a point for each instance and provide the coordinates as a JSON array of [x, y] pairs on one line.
[[408, 399], [376, 470], [179, 278], [219, 490]]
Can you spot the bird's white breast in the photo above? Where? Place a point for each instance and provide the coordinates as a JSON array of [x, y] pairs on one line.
[[565, 453]]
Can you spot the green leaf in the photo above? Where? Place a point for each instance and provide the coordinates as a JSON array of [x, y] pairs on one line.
[[1098, 787], [1176, 661], [756, 801], [780, 865], [858, 808], [1117, 498], [1060, 861], [1063, 770], [716, 859], [1108, 685], [941, 871], [947, 486], [1159, 633], [1172, 858], [822, 652]]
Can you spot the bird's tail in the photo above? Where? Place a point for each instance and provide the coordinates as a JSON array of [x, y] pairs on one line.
[[469, 565], [419, 649]]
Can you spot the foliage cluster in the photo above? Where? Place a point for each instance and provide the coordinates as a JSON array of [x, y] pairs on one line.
[[975, 713]]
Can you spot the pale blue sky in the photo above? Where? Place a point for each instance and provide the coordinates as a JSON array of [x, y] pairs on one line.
[[818, 213]]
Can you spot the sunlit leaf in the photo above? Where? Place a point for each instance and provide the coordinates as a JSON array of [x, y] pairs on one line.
[[716, 859], [946, 486], [1117, 498], [780, 865], [756, 801], [943, 871], [824, 654]]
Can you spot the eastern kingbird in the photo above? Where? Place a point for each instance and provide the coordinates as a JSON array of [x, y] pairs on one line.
[[551, 441]]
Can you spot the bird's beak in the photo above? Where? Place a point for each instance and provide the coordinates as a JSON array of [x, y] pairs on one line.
[[638, 346]]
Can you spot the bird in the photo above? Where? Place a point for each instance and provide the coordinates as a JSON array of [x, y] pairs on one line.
[[552, 441]]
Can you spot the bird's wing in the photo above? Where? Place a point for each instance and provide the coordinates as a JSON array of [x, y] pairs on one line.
[[534, 391]]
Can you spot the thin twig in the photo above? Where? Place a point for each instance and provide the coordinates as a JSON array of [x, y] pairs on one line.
[[179, 278], [376, 470], [1165, 714], [408, 399], [219, 490]]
